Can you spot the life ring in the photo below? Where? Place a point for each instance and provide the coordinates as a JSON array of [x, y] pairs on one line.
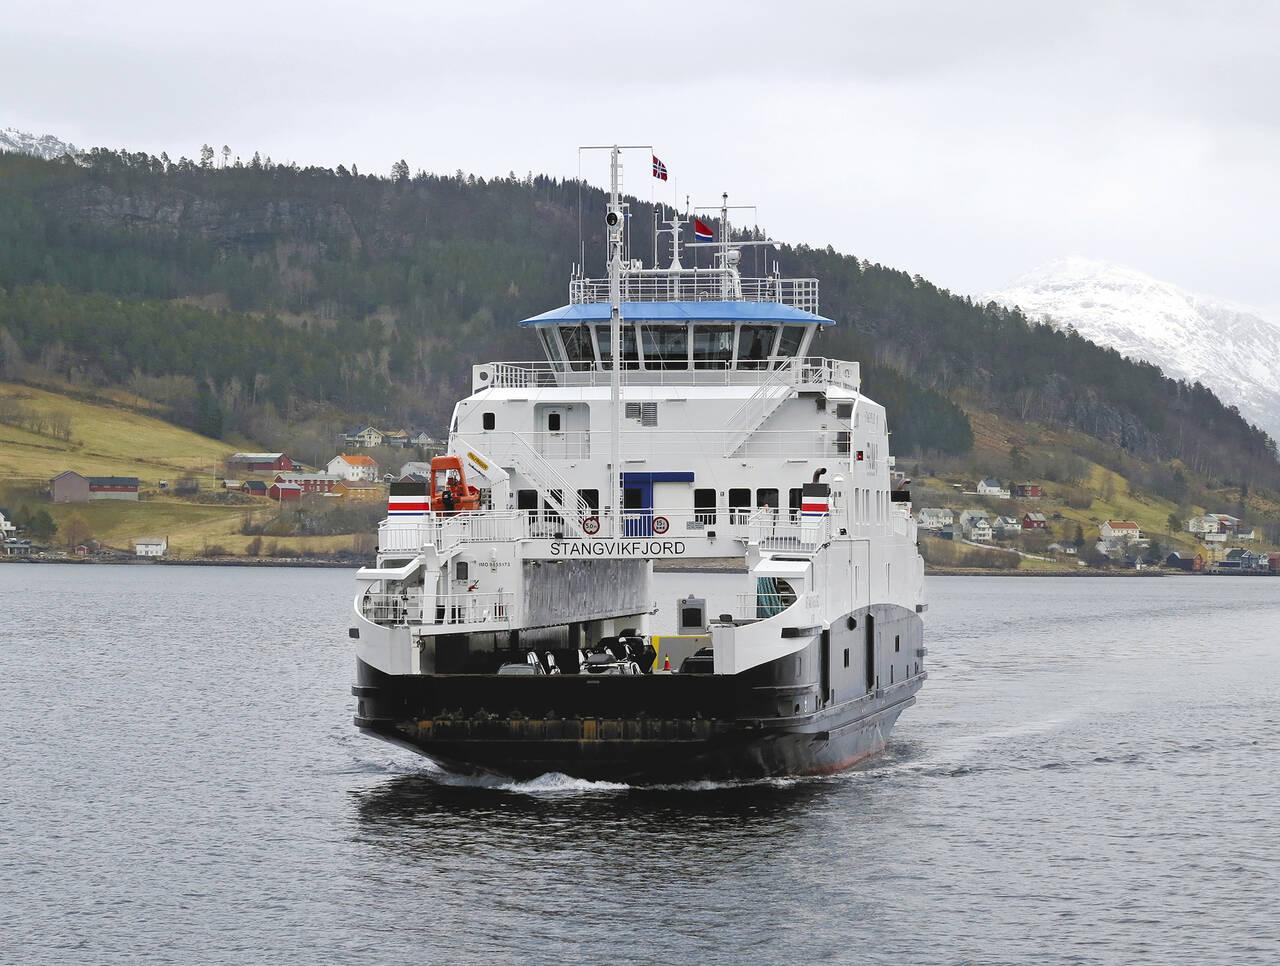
[[591, 526], [660, 525]]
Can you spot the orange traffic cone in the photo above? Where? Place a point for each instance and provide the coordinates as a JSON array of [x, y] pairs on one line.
[[666, 663]]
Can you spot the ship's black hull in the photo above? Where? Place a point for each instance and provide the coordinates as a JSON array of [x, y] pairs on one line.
[[815, 711], [689, 751]]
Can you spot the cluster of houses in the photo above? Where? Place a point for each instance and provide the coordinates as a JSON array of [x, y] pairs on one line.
[[371, 436], [1015, 491], [977, 525], [349, 476], [1219, 528]]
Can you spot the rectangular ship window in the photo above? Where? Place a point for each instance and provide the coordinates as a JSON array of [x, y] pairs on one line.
[[488, 420]]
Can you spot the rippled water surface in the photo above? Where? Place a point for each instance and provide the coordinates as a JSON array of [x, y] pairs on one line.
[[1092, 774]]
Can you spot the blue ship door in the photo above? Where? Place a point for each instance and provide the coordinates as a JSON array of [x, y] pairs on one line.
[[637, 505], [637, 500]]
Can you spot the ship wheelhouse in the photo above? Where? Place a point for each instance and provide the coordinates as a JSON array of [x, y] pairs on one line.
[[677, 336]]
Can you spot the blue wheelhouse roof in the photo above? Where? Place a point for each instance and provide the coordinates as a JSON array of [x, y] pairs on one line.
[[680, 312]]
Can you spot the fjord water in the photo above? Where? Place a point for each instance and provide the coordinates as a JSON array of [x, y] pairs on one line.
[[1091, 775]]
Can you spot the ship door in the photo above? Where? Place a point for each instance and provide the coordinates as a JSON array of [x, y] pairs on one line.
[[553, 432], [637, 505]]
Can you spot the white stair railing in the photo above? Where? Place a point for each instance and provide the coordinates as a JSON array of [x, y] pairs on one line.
[[550, 483], [758, 407]]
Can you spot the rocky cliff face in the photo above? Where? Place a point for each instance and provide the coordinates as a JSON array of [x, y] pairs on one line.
[[1232, 349]]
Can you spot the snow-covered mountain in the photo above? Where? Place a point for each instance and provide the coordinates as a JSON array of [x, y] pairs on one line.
[[44, 146], [1231, 348]]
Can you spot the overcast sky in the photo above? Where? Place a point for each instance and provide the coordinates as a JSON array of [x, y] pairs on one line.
[[966, 142]]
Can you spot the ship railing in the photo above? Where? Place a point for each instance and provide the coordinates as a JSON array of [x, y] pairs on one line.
[[772, 528], [695, 285], [763, 604], [799, 372], [460, 608], [769, 528], [660, 442], [470, 608], [402, 534]]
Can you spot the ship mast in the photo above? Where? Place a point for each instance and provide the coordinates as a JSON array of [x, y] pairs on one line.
[[613, 220]]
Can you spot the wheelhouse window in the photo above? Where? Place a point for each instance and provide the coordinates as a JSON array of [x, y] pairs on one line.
[[549, 346], [577, 346], [755, 345], [712, 346], [630, 360], [665, 346], [792, 336]]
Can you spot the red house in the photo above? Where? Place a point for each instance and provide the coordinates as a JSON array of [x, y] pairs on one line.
[[1027, 491], [261, 462], [1034, 521], [310, 482], [284, 492]]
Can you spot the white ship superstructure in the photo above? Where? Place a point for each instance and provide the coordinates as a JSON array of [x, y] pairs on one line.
[[514, 621]]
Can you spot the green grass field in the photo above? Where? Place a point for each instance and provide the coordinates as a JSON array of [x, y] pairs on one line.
[[107, 439], [114, 436]]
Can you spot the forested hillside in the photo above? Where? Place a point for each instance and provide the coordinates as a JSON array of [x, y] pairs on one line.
[[223, 290]]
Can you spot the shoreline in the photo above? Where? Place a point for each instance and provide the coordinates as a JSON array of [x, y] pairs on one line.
[[187, 562], [713, 565]]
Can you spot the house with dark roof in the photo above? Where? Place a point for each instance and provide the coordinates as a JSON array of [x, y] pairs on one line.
[[70, 487], [261, 462], [1191, 563]]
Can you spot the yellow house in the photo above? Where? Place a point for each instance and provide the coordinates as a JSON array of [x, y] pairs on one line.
[[358, 490]]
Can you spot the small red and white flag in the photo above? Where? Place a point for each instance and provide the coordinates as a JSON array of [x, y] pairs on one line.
[[659, 169], [701, 231]]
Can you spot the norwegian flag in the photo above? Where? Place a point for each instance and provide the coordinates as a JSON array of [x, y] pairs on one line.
[[701, 231], [659, 169]]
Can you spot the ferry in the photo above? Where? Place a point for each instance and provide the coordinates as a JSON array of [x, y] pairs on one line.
[[675, 549]]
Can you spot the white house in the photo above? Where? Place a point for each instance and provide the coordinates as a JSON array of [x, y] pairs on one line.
[[976, 526], [151, 546], [7, 529], [369, 436], [992, 487], [426, 441], [934, 517], [979, 529], [1007, 526], [1119, 531], [353, 467]]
